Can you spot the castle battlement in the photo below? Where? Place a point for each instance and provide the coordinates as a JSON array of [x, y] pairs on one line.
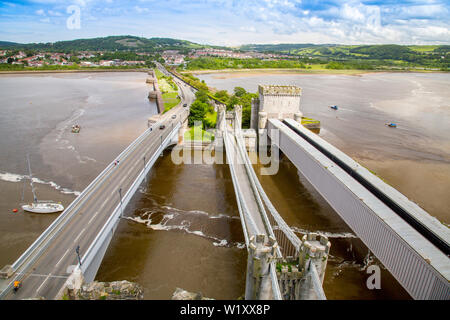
[[275, 101], [279, 90]]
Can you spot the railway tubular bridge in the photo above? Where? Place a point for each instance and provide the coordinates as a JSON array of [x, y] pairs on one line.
[[410, 243]]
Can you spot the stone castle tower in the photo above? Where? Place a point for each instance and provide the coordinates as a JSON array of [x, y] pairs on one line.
[[280, 102]]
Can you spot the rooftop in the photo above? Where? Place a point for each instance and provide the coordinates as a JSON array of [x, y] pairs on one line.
[[274, 89]]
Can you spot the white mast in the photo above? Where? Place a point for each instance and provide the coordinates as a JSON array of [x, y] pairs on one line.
[[31, 179]]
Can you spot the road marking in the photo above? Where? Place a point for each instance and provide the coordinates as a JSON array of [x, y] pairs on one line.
[[104, 203], [93, 217], [79, 235], [42, 275], [62, 258], [37, 291]]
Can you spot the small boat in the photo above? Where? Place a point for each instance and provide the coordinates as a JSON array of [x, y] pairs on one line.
[[76, 128], [334, 107], [392, 125], [43, 206]]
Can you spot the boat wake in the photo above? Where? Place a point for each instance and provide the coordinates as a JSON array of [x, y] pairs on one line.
[[325, 233], [200, 223], [12, 177], [63, 143]]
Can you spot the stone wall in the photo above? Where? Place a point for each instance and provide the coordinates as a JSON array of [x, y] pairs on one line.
[[117, 290], [279, 101], [181, 294]]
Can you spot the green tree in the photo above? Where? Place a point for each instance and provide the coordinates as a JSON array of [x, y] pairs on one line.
[[222, 95], [239, 91], [202, 96], [197, 112], [246, 115]]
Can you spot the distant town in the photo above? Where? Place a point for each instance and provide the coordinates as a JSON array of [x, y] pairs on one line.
[[129, 52], [36, 59]]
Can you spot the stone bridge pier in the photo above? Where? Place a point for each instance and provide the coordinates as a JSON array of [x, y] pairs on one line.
[[155, 93]]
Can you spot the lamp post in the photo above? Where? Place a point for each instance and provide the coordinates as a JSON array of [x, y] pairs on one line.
[[77, 250]]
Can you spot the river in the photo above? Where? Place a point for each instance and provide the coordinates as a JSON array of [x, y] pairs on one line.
[[183, 228]]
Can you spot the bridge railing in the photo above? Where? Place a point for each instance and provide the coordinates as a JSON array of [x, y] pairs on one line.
[[316, 283], [250, 173], [68, 213], [243, 210], [44, 240], [91, 252], [286, 238], [246, 216], [275, 285]]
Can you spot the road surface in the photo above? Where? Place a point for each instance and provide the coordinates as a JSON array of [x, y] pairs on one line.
[[47, 275]]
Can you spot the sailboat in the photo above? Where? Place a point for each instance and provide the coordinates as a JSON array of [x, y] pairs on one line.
[[40, 206]]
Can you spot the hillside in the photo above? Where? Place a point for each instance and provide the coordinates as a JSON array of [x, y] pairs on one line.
[[112, 43], [6, 44], [433, 56], [284, 47]]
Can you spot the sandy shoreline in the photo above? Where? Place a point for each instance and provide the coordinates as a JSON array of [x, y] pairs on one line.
[[234, 73], [282, 71], [71, 71]]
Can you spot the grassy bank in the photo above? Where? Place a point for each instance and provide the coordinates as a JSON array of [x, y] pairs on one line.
[[9, 68], [196, 133], [170, 99], [306, 120], [314, 69], [169, 90]]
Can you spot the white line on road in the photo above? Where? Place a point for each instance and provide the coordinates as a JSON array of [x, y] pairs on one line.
[[79, 235], [41, 275], [93, 217], [104, 203], [37, 291], [62, 257]]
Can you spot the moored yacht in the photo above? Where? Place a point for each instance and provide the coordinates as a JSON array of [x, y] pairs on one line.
[[42, 206]]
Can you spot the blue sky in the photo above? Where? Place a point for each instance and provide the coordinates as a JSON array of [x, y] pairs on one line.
[[232, 22]]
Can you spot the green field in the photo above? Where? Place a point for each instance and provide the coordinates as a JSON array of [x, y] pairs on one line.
[[169, 93], [158, 73], [309, 121], [198, 134], [170, 99], [211, 118]]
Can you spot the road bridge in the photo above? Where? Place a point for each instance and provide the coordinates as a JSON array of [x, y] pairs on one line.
[[269, 239], [88, 223]]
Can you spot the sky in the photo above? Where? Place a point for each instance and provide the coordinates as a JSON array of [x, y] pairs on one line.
[[230, 22]]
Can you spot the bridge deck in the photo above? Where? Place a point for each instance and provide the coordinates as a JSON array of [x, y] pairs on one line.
[[419, 266], [246, 192], [46, 275]]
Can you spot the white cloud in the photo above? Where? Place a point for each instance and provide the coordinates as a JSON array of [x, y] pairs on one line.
[[264, 21], [54, 13], [141, 10]]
